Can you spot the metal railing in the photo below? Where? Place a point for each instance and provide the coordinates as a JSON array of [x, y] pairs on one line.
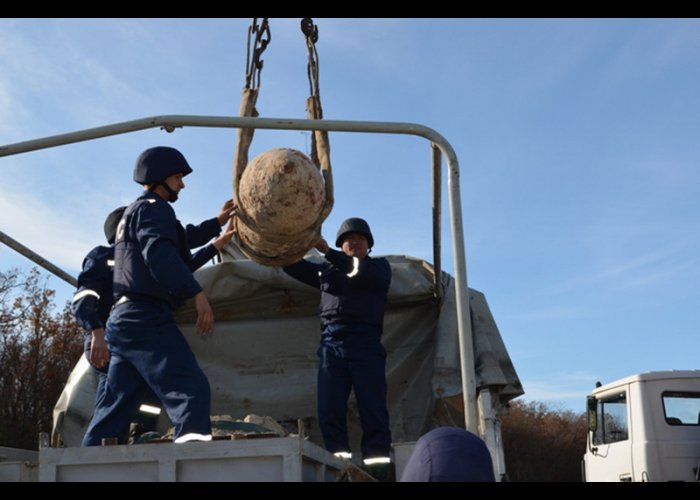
[[441, 147]]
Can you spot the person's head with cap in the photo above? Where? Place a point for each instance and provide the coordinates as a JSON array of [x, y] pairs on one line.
[[449, 454], [355, 238], [161, 169], [111, 223]]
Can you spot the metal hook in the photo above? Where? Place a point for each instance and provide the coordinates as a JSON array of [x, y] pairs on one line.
[[254, 63], [309, 29]]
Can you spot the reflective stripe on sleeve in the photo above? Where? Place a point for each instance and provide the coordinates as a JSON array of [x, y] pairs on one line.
[[85, 293]]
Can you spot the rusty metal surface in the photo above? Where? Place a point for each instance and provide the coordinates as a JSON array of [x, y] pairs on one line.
[[281, 196]]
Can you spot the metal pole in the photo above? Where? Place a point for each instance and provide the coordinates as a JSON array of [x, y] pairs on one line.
[[170, 122], [33, 256], [437, 205], [464, 324]]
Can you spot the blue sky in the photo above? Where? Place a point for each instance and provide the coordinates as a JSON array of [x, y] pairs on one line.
[[577, 140]]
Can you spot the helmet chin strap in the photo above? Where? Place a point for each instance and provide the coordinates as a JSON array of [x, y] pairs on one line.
[[172, 194]]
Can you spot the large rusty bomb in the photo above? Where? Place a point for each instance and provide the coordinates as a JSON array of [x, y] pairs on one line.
[[281, 194]]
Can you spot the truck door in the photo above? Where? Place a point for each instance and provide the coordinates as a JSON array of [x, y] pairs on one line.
[[609, 457]]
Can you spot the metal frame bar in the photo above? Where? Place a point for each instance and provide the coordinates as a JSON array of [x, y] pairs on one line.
[[436, 164], [35, 257], [171, 122]]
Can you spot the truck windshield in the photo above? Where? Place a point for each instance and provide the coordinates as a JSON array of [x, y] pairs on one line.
[[682, 408]]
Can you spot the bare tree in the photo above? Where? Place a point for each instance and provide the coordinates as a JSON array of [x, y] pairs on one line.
[[38, 348]]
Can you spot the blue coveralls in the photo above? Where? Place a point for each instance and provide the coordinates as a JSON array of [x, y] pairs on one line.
[[153, 270], [93, 300], [91, 306], [353, 297]]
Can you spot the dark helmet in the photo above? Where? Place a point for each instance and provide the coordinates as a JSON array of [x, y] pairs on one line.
[[354, 225], [111, 223], [157, 164]]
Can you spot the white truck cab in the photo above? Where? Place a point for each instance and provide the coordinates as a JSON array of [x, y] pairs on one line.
[[645, 428]]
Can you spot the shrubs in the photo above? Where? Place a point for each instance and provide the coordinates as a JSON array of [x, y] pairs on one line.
[[542, 443]]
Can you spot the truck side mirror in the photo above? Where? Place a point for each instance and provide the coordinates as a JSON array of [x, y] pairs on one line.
[[592, 413]]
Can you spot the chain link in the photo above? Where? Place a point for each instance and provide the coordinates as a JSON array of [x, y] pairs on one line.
[[254, 64]]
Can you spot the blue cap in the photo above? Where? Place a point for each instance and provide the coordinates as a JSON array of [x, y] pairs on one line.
[[449, 454]]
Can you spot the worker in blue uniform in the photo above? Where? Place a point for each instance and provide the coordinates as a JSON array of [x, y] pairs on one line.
[[93, 300], [91, 306], [152, 276], [449, 454], [354, 290]]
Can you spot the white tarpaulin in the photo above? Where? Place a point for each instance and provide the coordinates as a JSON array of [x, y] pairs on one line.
[[262, 359]]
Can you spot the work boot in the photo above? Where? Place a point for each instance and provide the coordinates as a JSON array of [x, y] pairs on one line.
[[135, 431], [147, 437]]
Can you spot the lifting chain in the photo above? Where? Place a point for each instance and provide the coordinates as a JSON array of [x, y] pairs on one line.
[[310, 31], [320, 145], [260, 37], [253, 62]]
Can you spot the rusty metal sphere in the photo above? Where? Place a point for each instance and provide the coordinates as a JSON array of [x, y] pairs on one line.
[[281, 195]]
